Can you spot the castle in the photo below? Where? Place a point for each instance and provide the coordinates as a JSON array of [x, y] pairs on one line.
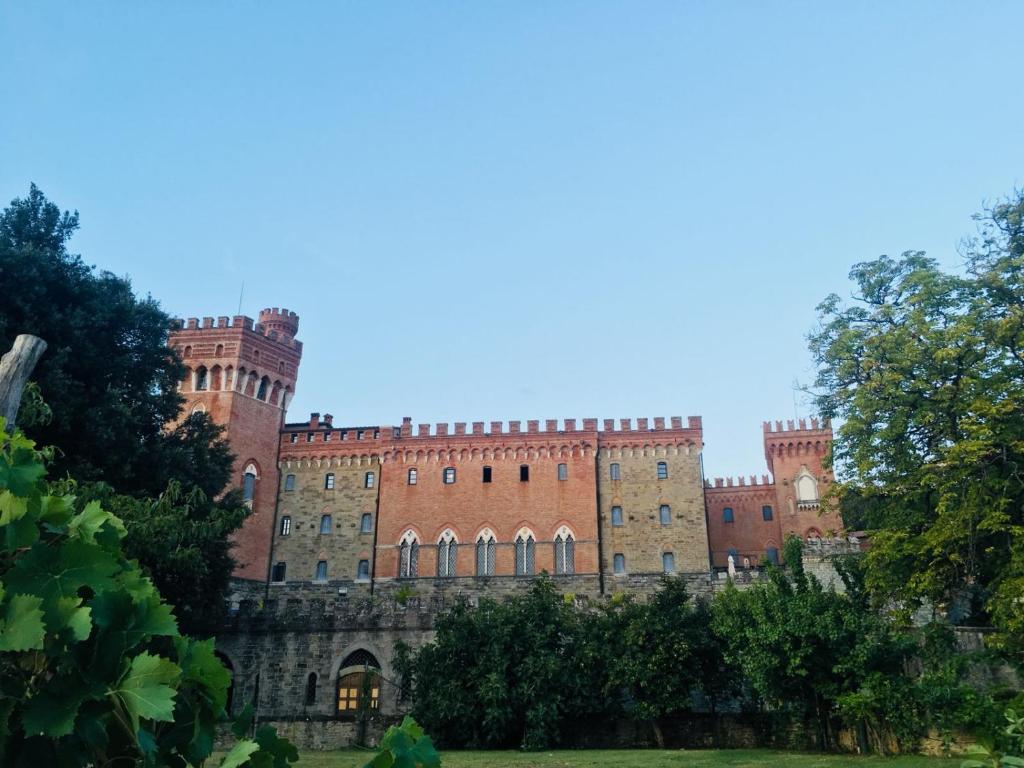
[[345, 517]]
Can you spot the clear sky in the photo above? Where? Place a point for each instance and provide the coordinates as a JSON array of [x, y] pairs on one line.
[[516, 210]]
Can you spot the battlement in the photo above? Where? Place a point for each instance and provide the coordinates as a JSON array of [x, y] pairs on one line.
[[547, 427], [794, 427], [740, 482], [278, 325]]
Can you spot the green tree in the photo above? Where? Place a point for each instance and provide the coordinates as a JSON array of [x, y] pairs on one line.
[[107, 375], [94, 670], [926, 371]]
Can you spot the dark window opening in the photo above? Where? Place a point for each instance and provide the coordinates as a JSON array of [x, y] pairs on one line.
[[727, 515], [766, 512], [278, 572], [563, 471], [524, 473], [487, 474]]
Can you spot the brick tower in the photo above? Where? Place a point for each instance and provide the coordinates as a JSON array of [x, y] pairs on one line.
[[243, 376], [795, 455]]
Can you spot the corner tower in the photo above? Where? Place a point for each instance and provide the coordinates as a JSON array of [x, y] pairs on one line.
[[796, 458], [243, 375]]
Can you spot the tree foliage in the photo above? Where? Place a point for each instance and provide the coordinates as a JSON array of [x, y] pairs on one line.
[[93, 669], [925, 369]]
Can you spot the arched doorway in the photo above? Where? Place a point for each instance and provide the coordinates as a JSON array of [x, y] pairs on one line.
[[358, 684]]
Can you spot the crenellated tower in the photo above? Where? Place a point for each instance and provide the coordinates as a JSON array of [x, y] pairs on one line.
[[243, 375], [796, 454]]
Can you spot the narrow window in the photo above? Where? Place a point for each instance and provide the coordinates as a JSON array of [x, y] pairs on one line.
[[202, 380], [261, 393], [563, 471], [366, 523], [487, 474], [727, 515], [408, 557], [249, 485], [449, 475], [310, 436], [329, 481], [766, 512], [295, 437], [376, 434], [524, 473], [311, 689], [525, 554], [668, 562], [662, 470], [368, 480], [615, 472], [277, 574], [412, 477], [565, 554], [773, 555], [325, 524], [286, 525], [289, 482], [327, 436], [396, 432], [321, 571], [619, 562], [359, 434], [363, 572], [616, 516], [665, 514], [447, 548], [485, 550], [219, 351]]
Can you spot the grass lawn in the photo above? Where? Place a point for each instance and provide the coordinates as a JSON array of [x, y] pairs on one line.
[[639, 758]]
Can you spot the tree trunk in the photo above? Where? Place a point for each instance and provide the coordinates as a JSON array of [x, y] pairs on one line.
[[659, 737], [15, 368]]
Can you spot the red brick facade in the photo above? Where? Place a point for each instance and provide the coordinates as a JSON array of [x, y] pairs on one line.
[[335, 505]]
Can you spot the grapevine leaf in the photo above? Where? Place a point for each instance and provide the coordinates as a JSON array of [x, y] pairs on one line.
[[75, 616], [200, 665], [243, 722], [87, 523], [53, 572], [22, 626], [20, 471], [11, 507], [145, 689], [382, 760], [239, 754], [52, 712]]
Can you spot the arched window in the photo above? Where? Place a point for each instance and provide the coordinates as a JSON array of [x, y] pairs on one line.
[[366, 523], [289, 482], [321, 571], [215, 378], [616, 516], [812, 534], [187, 353], [486, 545], [202, 379], [806, 487], [615, 472], [665, 514], [249, 484], [229, 378], [565, 552], [408, 556], [448, 477], [363, 571], [250, 384], [525, 554], [619, 563], [219, 351], [447, 548], [368, 480], [772, 555], [727, 515], [358, 683], [286, 525], [311, 689], [261, 393], [329, 481], [668, 562], [326, 524], [662, 470], [412, 476]]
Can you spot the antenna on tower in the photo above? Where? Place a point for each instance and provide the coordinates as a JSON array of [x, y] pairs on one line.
[[240, 294], [796, 386]]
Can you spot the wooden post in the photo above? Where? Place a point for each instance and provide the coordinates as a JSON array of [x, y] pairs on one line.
[[15, 368]]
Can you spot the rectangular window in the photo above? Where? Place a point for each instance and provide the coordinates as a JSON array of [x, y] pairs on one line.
[[329, 481], [286, 525], [321, 571], [487, 474], [727, 515], [343, 435], [619, 562], [615, 472], [616, 516], [396, 432], [449, 475], [359, 434], [366, 523], [662, 470], [368, 480], [327, 436], [309, 437], [295, 437], [524, 473], [277, 574], [325, 524], [289, 482], [668, 562], [563, 471], [412, 477], [363, 573], [665, 514], [773, 555], [766, 512]]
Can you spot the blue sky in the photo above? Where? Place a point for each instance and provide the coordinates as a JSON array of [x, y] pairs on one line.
[[515, 210]]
